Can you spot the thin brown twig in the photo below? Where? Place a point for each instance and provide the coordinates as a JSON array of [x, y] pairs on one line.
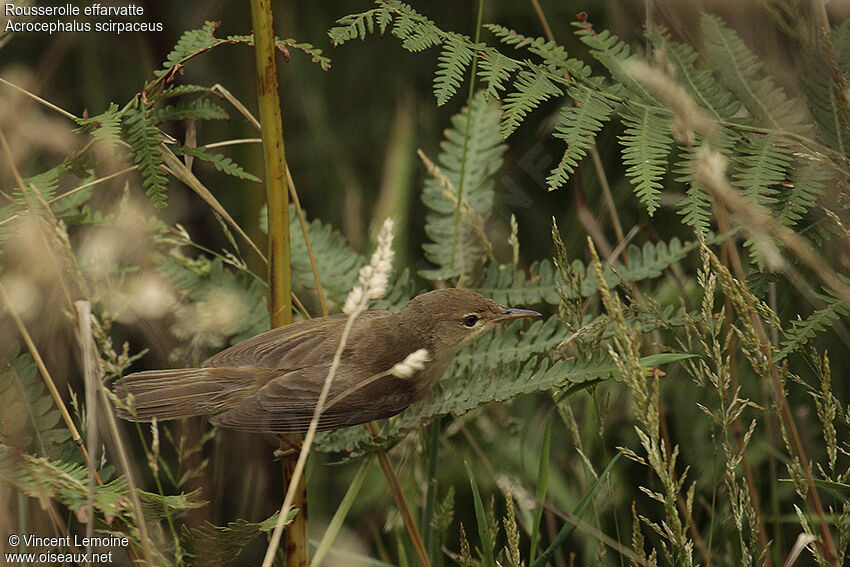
[[401, 500], [320, 291]]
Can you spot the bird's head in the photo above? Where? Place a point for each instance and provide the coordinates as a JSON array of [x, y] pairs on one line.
[[454, 316]]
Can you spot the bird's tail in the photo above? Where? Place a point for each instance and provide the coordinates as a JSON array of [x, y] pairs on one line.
[[175, 393]]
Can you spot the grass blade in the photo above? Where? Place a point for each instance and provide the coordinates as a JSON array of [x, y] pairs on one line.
[[577, 513]]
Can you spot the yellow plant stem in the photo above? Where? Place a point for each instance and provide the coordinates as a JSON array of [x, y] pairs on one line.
[[280, 302]]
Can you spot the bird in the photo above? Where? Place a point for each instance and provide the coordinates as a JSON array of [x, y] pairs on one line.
[[271, 383]]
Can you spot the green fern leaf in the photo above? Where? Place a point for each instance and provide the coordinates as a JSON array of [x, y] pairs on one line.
[[220, 162], [612, 53], [337, 263], [810, 180], [508, 285], [550, 52], [45, 479], [825, 89], [840, 39], [30, 420], [457, 244], [216, 546], [202, 109], [803, 331], [741, 70], [532, 87], [453, 61], [359, 25], [45, 183], [764, 163], [191, 43], [646, 144], [700, 83], [143, 137], [105, 127], [695, 207], [314, 52], [577, 125], [495, 69], [180, 90]]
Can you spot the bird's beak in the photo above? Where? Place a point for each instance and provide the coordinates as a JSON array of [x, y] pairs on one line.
[[511, 313]]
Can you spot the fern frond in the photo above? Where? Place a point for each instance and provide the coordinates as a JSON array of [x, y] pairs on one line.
[[495, 69], [707, 92], [825, 89], [839, 37], [315, 53], [695, 207], [45, 183], [190, 44], [337, 263], [216, 546], [105, 127], [577, 125], [45, 479], [803, 331], [511, 286], [531, 87], [357, 26], [550, 52], [646, 144], [809, 181], [417, 33], [612, 53], [201, 109], [457, 244], [220, 162], [143, 137], [763, 164], [180, 90], [455, 57], [30, 417], [506, 284], [741, 70]]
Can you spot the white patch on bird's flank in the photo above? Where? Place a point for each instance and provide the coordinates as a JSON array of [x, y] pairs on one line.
[[413, 362]]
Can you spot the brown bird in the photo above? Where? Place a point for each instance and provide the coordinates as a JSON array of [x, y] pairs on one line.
[[271, 383]]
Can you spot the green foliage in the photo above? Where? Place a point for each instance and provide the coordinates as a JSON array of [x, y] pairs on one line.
[[646, 144], [214, 546], [803, 331], [740, 69], [615, 55], [220, 162], [191, 43], [200, 109], [30, 421], [495, 69], [460, 191], [64, 482], [577, 125], [143, 137], [105, 127], [454, 59], [533, 87]]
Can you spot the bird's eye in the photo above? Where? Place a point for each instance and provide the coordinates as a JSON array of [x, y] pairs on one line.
[[470, 320]]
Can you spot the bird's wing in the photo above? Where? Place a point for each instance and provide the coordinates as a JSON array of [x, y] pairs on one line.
[[292, 346], [286, 403]]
